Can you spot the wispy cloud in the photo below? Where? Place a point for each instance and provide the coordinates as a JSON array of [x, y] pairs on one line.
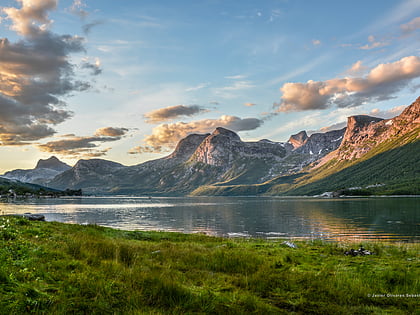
[[197, 87], [411, 26]]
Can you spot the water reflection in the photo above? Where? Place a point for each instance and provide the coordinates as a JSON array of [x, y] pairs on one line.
[[337, 219]]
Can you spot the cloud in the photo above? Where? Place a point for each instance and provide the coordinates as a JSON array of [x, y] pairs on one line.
[[172, 112], [250, 104], [198, 87], [357, 68], [381, 83], [386, 114], [236, 77], [35, 75], [111, 132], [316, 42], [85, 146], [336, 126], [411, 26], [373, 44], [166, 136], [77, 9], [229, 91], [32, 18], [94, 67], [88, 27]]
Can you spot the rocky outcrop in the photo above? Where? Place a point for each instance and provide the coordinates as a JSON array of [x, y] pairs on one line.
[[298, 139], [365, 132], [187, 146], [320, 144]]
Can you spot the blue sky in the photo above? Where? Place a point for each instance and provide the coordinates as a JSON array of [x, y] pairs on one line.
[[129, 78]]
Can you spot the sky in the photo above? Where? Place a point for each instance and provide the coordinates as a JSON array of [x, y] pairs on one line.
[[126, 80]]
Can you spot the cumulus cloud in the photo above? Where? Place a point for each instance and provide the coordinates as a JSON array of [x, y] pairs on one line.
[[380, 83], [411, 26], [84, 146], [357, 68], [172, 112], [35, 74], [166, 136]]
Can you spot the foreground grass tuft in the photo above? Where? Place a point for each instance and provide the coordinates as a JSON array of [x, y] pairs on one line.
[[50, 267]]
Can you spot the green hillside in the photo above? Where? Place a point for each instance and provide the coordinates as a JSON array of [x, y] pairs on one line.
[[396, 172]]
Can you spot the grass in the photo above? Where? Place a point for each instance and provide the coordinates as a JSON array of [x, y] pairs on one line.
[[56, 268]]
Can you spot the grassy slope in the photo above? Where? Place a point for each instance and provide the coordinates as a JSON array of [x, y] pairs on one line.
[[58, 268], [394, 163]]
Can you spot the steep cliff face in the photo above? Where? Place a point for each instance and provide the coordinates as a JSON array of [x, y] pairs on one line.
[[298, 139], [187, 146], [223, 147], [364, 132], [218, 148]]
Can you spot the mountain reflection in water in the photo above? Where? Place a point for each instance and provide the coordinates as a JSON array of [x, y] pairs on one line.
[[380, 218]]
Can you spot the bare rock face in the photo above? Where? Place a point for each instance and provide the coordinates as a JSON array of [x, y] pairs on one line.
[[223, 147], [298, 139], [365, 132], [320, 144], [187, 146], [217, 148]]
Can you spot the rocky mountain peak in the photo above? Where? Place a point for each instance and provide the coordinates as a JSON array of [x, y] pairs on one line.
[[298, 139], [186, 147], [216, 149], [358, 122], [52, 163], [412, 112], [226, 132]]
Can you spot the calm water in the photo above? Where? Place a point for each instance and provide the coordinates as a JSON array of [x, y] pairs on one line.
[[386, 218]]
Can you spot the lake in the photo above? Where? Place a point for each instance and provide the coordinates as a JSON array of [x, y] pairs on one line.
[[377, 218]]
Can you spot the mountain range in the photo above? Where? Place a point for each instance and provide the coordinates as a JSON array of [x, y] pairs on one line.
[[370, 155]]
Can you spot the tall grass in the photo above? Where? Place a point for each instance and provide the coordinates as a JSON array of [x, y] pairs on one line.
[[55, 268]]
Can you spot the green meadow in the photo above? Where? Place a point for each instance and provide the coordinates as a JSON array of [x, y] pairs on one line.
[[56, 268]]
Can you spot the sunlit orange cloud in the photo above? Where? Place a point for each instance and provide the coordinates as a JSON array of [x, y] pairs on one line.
[[381, 83], [87, 146], [166, 136], [173, 112]]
